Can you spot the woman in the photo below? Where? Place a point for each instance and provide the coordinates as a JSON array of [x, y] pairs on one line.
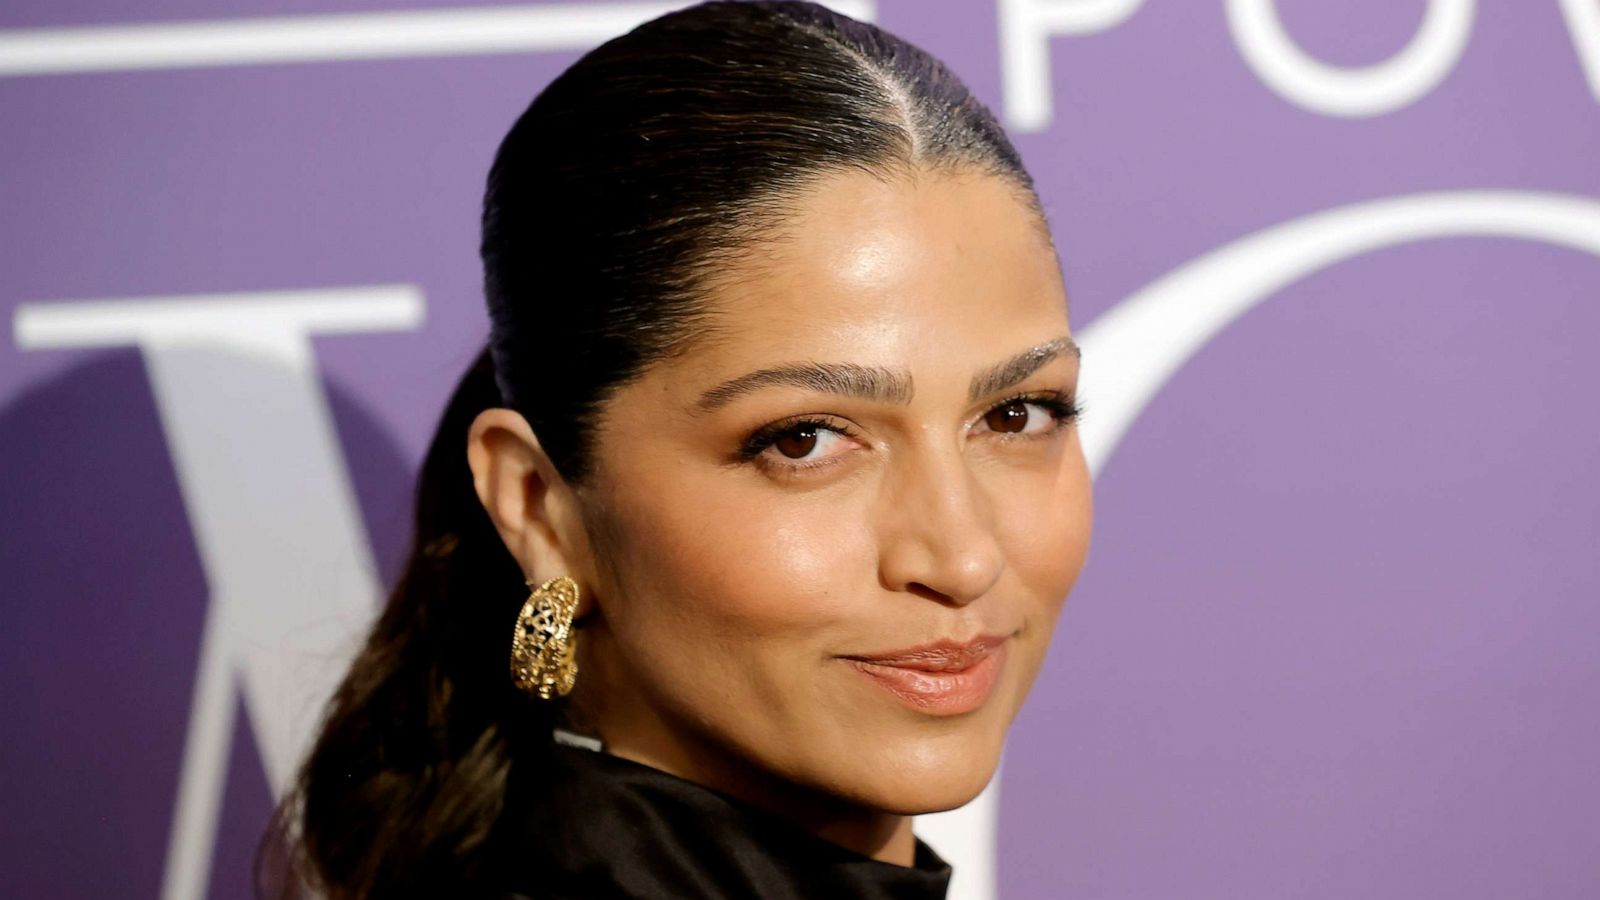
[[743, 540]]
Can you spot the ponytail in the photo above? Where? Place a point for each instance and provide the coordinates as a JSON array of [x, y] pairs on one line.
[[405, 782]]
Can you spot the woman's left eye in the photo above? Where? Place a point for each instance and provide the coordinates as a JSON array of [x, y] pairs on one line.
[[1031, 415]]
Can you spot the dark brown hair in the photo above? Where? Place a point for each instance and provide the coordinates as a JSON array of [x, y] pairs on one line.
[[636, 175]]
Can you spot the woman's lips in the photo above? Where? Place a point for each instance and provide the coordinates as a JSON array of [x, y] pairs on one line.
[[942, 679]]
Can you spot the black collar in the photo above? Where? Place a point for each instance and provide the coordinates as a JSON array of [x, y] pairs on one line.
[[588, 825]]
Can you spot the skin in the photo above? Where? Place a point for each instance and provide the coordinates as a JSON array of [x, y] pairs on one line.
[[720, 593]]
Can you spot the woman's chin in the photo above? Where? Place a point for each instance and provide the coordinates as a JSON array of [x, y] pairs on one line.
[[929, 779], [921, 800]]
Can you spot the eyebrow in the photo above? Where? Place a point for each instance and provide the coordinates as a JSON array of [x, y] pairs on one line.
[[873, 383], [881, 385], [999, 377]]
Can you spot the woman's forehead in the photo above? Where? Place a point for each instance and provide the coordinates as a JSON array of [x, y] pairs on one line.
[[884, 267]]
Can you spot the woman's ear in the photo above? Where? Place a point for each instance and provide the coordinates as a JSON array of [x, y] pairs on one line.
[[531, 505]]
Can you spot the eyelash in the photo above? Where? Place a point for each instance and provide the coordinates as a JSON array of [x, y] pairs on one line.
[[1062, 407]]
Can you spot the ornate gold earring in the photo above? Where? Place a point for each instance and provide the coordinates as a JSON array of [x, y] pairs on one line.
[[543, 660]]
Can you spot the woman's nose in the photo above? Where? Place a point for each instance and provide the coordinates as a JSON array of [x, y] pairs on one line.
[[937, 528]]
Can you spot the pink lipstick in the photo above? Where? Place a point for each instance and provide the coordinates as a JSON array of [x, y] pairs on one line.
[[944, 678]]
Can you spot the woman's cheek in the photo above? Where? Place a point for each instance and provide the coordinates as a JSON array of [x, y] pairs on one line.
[[798, 562], [1047, 534], [754, 562]]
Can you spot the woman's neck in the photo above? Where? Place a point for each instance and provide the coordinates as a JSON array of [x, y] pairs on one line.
[[887, 838], [883, 836], [635, 731]]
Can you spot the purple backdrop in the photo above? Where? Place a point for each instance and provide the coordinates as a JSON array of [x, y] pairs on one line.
[[1339, 634]]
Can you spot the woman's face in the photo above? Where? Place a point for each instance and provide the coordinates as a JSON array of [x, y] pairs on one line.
[[832, 540]]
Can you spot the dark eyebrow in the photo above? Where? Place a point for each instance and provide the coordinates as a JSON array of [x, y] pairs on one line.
[[1013, 370], [879, 384], [873, 383]]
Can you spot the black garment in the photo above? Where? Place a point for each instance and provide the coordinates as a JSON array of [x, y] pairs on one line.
[[605, 828]]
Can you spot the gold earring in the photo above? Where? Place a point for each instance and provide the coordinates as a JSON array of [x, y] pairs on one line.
[[543, 660]]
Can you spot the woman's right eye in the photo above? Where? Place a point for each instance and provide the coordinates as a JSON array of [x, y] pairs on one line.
[[794, 445], [798, 443]]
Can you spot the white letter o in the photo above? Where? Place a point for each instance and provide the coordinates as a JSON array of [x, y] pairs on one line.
[[1346, 92]]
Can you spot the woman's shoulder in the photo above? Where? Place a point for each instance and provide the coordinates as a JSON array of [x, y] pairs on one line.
[[599, 827]]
